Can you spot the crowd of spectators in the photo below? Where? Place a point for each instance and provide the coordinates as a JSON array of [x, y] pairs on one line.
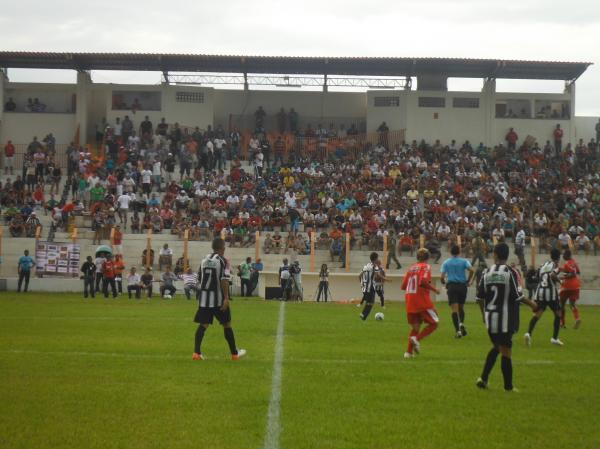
[[171, 180]]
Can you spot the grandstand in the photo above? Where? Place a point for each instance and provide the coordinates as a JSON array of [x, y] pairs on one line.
[[409, 158]]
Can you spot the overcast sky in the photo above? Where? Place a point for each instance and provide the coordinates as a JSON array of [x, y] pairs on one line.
[[508, 29]]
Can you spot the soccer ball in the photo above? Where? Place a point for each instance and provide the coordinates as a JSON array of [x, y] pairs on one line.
[[167, 296], [379, 316]]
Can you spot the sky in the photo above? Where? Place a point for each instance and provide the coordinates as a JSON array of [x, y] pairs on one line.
[[508, 29]]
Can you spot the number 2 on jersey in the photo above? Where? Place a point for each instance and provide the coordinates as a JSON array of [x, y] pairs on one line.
[[492, 304]]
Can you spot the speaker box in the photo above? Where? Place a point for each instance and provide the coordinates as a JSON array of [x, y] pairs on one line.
[[272, 292]]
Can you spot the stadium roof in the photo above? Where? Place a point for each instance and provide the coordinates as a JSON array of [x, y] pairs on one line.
[[359, 66]]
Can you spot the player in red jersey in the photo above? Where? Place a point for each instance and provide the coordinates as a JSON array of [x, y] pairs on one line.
[[419, 307], [570, 287]]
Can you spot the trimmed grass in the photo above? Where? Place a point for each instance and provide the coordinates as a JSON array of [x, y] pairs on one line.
[[79, 373]]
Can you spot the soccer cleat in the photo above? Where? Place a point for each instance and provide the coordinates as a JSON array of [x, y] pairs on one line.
[[408, 355], [463, 330], [577, 323], [481, 384], [358, 306], [197, 356], [458, 335], [241, 353], [528, 339], [556, 341], [512, 390], [416, 344], [362, 317]]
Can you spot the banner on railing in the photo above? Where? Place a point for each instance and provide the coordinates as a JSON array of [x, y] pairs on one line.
[[57, 259]]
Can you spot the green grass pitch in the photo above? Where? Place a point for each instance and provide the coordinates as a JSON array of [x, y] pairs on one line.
[[108, 374]]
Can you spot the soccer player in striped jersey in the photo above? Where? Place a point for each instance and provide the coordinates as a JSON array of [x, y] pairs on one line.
[[501, 294], [570, 287], [368, 278], [419, 307], [546, 296], [213, 299]]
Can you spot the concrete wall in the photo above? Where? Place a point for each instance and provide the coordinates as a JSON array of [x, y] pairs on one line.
[[450, 123], [315, 105], [21, 127], [56, 97], [394, 116], [585, 128]]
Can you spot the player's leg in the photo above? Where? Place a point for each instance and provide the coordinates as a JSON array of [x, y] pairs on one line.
[[369, 299], [414, 320], [506, 365], [430, 317], [563, 302], [534, 319], [455, 318], [224, 317], [573, 304], [200, 331], [490, 361], [381, 297], [556, 325]]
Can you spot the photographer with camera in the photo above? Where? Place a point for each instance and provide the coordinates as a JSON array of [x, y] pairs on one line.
[[323, 284], [296, 279]]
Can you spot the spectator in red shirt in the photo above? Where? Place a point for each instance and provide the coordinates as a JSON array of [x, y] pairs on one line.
[[558, 135], [9, 155], [108, 277], [512, 138]]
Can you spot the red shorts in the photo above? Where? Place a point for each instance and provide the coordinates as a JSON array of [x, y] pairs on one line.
[[428, 316], [571, 295]]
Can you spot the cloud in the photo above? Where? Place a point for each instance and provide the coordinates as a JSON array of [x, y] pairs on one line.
[[510, 29]]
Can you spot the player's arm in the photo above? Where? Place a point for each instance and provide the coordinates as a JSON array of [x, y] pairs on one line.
[[427, 285], [404, 282], [518, 291], [481, 295], [225, 286], [471, 271]]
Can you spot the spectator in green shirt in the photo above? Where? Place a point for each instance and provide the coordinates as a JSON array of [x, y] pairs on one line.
[[244, 272]]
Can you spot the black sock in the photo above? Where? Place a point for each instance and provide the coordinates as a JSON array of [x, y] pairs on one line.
[[230, 340], [199, 336], [461, 315], [366, 311], [489, 364], [506, 365], [455, 320], [556, 326], [382, 301], [532, 323]]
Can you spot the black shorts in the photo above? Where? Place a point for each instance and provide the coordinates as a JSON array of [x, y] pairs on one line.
[[552, 305], [369, 297], [501, 339], [205, 315], [457, 292]]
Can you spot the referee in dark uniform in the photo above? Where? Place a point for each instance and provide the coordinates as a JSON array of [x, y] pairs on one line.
[[500, 292], [454, 271], [213, 299]]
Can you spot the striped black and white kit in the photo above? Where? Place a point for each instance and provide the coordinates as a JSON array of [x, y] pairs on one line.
[[213, 270], [501, 293]]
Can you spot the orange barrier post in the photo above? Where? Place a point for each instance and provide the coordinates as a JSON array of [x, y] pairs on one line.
[[312, 251], [186, 240], [148, 248], [421, 241], [533, 248], [256, 245], [385, 250], [74, 235], [347, 264], [38, 232], [459, 241], [112, 239]]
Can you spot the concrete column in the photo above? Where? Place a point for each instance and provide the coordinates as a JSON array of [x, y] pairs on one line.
[[3, 82], [571, 133], [488, 109], [84, 80]]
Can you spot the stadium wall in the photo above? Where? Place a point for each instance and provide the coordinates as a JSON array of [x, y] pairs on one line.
[[325, 106], [21, 127]]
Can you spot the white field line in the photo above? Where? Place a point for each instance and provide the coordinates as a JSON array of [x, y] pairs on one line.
[[178, 356], [274, 414]]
